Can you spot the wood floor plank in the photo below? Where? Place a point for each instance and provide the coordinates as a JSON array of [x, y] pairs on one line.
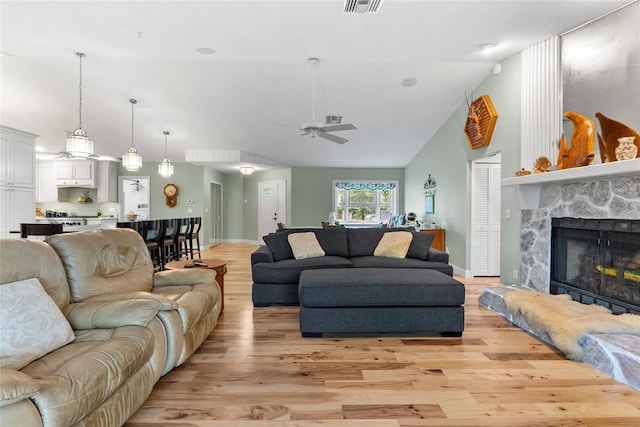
[[255, 370]]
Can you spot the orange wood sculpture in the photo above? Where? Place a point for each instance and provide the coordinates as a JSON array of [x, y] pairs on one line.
[[581, 151], [608, 141]]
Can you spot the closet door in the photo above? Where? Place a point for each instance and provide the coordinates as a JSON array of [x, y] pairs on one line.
[[485, 219]]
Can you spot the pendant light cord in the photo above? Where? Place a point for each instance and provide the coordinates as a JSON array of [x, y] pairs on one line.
[[80, 55], [133, 102]]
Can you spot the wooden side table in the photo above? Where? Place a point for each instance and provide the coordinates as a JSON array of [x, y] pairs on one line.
[[438, 240], [220, 267]]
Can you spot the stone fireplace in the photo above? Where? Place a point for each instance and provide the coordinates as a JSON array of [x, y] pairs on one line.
[[606, 197]]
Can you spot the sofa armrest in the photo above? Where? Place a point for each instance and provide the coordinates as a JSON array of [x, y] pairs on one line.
[[435, 255], [262, 254], [112, 314], [165, 303], [185, 277], [16, 386]]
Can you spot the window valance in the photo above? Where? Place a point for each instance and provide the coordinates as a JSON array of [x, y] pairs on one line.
[[365, 185]]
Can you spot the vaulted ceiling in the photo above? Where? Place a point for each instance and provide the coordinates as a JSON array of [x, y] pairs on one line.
[[231, 78]]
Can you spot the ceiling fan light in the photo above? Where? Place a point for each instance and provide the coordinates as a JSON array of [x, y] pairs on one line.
[[132, 161], [246, 170]]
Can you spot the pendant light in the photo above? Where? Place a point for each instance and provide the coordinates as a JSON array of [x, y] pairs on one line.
[[78, 144], [165, 169], [131, 160]]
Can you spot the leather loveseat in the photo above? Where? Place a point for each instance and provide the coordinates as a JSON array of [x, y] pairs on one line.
[[98, 291], [276, 271]]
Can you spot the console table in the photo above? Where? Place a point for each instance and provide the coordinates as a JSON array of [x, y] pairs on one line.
[[438, 240]]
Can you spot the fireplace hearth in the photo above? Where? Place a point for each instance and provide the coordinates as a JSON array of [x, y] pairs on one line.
[[597, 261]]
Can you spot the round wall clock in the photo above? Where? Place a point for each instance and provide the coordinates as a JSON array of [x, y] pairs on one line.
[[171, 193]]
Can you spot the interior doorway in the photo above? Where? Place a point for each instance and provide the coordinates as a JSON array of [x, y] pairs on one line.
[[485, 216], [135, 193], [215, 226], [271, 207]]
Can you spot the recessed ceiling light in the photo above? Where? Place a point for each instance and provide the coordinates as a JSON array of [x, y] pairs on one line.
[[408, 82], [205, 51], [487, 47]]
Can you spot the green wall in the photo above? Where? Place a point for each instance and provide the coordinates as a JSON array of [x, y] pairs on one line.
[[311, 193], [447, 157], [250, 199]]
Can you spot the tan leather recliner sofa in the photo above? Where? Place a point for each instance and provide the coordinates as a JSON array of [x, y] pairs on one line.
[[124, 339], [114, 264]]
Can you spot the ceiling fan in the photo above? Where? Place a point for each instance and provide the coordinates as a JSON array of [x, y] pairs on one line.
[[332, 123], [134, 182]]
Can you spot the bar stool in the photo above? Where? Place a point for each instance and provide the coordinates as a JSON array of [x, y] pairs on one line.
[[152, 233], [182, 247], [169, 249], [194, 234]]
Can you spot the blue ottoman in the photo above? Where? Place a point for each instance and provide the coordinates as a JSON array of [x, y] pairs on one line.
[[377, 300]]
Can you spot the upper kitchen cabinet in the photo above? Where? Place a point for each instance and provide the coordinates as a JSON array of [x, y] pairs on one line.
[[76, 173], [107, 181], [17, 158]]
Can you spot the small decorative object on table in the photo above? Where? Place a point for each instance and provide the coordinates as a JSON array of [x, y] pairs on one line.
[[132, 216], [626, 149], [523, 172]]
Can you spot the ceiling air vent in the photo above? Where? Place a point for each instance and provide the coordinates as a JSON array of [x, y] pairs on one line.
[[362, 6]]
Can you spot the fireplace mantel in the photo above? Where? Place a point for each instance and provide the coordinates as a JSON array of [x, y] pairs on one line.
[[526, 189]]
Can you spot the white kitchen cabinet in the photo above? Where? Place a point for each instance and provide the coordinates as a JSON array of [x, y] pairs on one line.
[[46, 187], [18, 205], [76, 173], [17, 179], [17, 158], [107, 181]]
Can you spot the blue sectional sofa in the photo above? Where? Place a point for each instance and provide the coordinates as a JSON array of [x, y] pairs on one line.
[[276, 272]]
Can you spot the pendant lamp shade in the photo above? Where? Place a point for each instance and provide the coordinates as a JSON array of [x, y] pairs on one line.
[[165, 168], [131, 160], [78, 144]]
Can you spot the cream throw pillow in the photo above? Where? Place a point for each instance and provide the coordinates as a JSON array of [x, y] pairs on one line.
[[32, 324], [305, 245], [394, 244]]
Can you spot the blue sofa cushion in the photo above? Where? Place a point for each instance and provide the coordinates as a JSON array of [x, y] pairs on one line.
[[420, 245], [288, 270], [386, 263], [333, 241]]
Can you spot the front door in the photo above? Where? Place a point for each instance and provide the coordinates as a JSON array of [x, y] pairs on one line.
[[271, 207]]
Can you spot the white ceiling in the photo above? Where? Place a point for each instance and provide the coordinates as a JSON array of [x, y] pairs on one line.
[[254, 92]]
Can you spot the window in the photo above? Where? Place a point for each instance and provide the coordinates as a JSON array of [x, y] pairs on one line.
[[364, 202]]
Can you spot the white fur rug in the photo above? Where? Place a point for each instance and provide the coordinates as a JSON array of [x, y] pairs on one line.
[[567, 321]]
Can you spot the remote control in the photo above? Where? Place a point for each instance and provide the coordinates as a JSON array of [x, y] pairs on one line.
[[189, 266], [200, 264]]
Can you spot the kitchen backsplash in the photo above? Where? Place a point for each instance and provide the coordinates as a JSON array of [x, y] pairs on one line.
[[73, 207]]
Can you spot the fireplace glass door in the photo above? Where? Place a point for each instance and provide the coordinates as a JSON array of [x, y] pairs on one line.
[[597, 261]]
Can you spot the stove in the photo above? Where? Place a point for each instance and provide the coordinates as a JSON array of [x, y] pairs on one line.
[[73, 221]]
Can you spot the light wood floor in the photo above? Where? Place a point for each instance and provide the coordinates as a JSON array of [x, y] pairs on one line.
[[256, 370]]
